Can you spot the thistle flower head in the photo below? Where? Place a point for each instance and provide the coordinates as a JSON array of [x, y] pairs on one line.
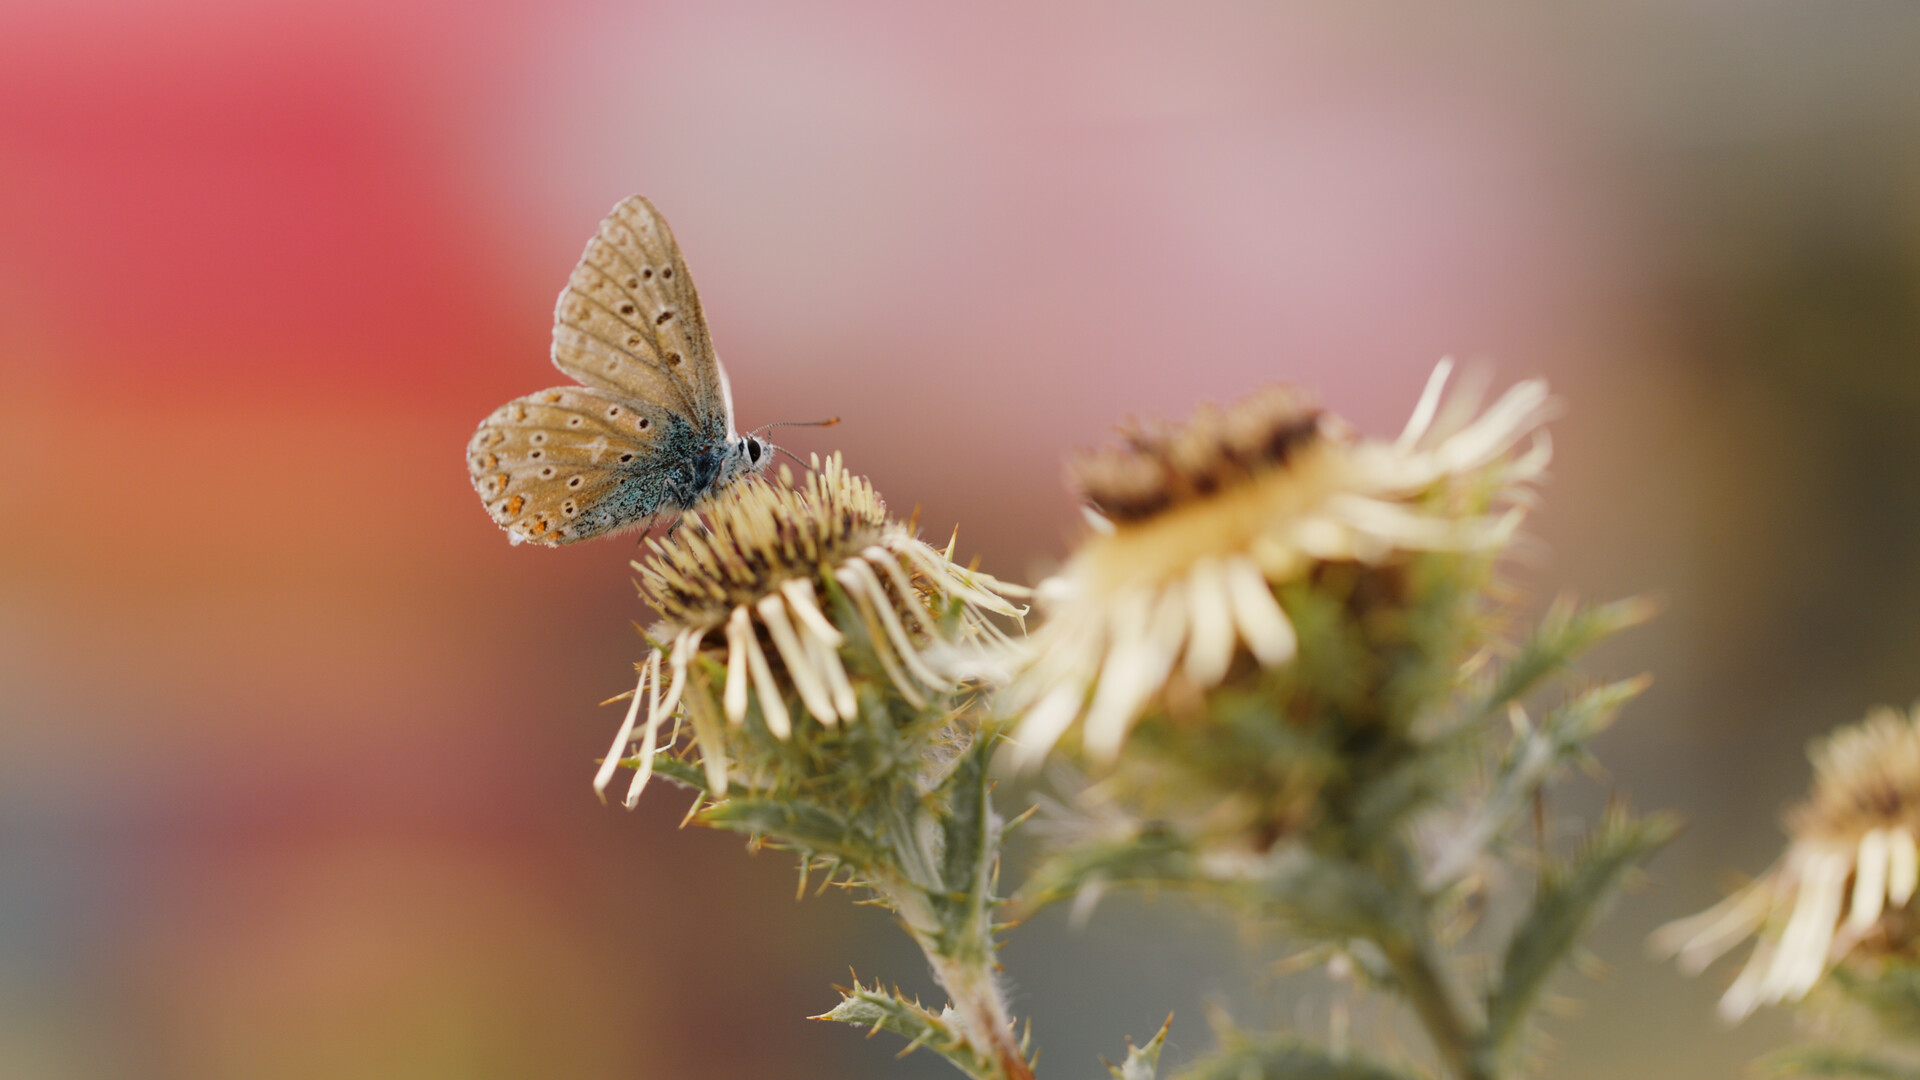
[[1207, 520], [764, 595], [1844, 883]]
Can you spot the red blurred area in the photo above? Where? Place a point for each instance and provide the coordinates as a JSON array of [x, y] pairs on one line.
[[295, 750]]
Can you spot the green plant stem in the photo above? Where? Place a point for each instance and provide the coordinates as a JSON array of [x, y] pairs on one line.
[[963, 965], [1457, 1038]]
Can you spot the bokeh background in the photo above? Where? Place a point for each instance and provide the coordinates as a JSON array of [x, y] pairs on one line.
[[294, 749]]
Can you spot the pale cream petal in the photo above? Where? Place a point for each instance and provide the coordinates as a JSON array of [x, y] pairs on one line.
[[1802, 954], [1135, 670], [826, 660], [809, 682], [738, 628], [890, 618], [1699, 940], [619, 750], [1263, 626], [1211, 639], [685, 645], [877, 634], [1399, 525], [909, 597], [1045, 722], [773, 708], [1519, 410], [1743, 996], [707, 731], [1422, 417], [651, 741], [1869, 880], [1903, 867], [806, 607]]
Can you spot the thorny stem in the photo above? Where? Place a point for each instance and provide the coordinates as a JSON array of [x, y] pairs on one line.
[[1457, 1038], [964, 969], [1417, 960]]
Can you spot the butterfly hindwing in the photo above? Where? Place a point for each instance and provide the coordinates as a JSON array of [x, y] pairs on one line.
[[572, 463]]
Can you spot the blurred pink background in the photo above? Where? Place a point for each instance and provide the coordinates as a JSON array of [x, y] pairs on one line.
[[294, 750]]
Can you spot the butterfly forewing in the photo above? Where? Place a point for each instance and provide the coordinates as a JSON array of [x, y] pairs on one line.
[[629, 320], [571, 463]]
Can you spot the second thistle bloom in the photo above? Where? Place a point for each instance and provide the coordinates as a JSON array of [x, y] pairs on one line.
[[1202, 523]]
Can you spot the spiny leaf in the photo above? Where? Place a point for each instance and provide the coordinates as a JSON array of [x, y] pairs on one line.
[[1569, 898], [1832, 1061], [1565, 632], [877, 1010], [1142, 1061], [1890, 989], [1530, 762], [1287, 1059], [796, 825]]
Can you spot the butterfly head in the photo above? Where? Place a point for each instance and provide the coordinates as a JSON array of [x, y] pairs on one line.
[[746, 454]]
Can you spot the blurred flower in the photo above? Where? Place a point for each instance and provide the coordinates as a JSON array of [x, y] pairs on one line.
[[1203, 521], [745, 580], [1852, 851]]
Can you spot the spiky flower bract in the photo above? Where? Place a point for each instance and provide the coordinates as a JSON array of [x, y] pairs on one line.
[[794, 640], [1843, 889]]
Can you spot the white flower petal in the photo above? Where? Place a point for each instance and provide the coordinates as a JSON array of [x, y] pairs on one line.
[[773, 708], [1136, 668], [620, 740], [1422, 417], [1211, 638], [809, 682], [883, 606], [1699, 940], [651, 741], [1802, 954], [1903, 867], [877, 634], [1264, 627], [1743, 996], [735, 696], [1045, 722], [1519, 410], [806, 607], [1869, 880]]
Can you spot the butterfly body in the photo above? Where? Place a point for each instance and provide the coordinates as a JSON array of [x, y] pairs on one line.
[[649, 434]]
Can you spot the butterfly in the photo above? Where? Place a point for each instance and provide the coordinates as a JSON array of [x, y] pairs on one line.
[[651, 431]]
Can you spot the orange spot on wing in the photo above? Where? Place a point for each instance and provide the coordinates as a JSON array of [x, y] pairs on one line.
[[514, 504]]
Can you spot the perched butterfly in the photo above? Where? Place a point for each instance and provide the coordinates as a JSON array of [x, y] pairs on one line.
[[650, 434]]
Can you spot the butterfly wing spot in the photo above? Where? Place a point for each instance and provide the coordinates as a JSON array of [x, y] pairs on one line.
[[569, 508], [514, 504], [551, 397], [666, 273], [576, 482], [537, 438], [536, 455], [647, 273], [661, 319], [575, 421], [613, 411], [633, 341], [624, 458], [645, 423], [628, 310], [500, 483], [546, 473], [673, 358]]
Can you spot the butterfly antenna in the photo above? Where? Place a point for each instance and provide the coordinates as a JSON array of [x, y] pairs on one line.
[[828, 422]]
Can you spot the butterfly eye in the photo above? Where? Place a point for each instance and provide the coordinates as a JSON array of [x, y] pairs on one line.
[[753, 450]]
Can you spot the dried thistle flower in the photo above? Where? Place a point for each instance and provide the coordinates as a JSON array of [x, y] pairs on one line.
[[742, 588], [1206, 520], [1843, 885]]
